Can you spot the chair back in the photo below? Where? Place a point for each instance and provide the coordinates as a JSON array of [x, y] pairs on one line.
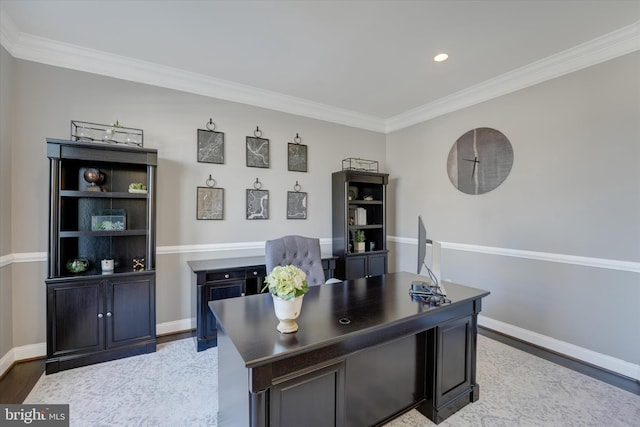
[[303, 252]]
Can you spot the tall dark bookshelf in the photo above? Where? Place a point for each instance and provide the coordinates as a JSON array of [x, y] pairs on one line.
[[365, 191], [95, 315]]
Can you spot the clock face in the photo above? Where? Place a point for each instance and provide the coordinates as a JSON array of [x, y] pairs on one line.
[[480, 160]]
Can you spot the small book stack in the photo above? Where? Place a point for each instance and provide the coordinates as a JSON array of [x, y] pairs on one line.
[[361, 216]]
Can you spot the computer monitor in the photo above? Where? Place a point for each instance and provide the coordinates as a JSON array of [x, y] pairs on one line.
[[422, 244], [433, 271]]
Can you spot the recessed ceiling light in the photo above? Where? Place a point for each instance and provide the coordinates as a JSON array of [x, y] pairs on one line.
[[441, 57]]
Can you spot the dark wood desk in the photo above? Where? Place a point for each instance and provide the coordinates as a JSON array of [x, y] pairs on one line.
[[364, 354], [215, 279]]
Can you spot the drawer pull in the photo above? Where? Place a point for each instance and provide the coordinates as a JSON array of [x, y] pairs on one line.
[[255, 273], [226, 276]]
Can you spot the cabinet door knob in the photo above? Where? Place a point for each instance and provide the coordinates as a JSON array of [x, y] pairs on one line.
[[226, 276], [255, 273], [108, 314], [100, 316]]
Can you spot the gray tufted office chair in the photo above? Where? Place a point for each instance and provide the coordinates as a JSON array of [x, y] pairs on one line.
[[303, 252]]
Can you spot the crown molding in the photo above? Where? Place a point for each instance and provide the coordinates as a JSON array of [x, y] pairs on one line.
[[38, 49], [601, 49], [33, 48], [8, 31]]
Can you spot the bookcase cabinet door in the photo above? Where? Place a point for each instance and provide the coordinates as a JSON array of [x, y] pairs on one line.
[[75, 324], [130, 310], [374, 264]]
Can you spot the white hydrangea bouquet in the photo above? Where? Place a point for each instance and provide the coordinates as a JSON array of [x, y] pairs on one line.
[[287, 282]]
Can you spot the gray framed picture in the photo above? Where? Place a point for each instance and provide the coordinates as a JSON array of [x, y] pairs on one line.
[[297, 157], [210, 146], [257, 152], [210, 203], [257, 204], [296, 205]]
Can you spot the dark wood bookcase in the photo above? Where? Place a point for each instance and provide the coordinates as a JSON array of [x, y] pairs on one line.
[[368, 191], [94, 316]]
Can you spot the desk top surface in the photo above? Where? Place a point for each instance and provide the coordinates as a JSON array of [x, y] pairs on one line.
[[368, 303]]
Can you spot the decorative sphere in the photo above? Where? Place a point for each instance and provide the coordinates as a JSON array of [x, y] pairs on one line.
[[93, 176]]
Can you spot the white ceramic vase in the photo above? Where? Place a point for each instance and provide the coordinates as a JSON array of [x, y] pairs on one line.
[[287, 311]]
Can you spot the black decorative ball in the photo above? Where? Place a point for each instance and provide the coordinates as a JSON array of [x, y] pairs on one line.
[[93, 176]]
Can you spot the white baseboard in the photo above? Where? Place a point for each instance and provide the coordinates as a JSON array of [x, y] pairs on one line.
[[40, 349], [22, 353], [610, 363], [175, 326], [601, 360], [6, 361]]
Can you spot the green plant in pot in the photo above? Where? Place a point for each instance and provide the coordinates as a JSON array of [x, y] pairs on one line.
[[358, 240]]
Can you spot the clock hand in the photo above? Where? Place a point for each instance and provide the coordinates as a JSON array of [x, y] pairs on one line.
[[475, 162]]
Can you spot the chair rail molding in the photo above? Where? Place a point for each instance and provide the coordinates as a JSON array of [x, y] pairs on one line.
[[611, 264], [252, 247]]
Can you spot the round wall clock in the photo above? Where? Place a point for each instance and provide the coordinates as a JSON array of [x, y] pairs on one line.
[[480, 160]]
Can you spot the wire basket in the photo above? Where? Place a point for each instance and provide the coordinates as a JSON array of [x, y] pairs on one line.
[[111, 134], [357, 164]]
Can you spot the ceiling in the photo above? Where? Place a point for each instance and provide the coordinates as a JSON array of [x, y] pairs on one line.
[[361, 63]]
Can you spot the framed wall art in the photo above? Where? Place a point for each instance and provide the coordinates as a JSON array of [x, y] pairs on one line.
[[210, 146], [296, 205], [210, 203], [257, 150], [297, 155], [257, 204]]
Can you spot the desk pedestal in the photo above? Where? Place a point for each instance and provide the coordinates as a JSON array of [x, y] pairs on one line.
[[365, 375]]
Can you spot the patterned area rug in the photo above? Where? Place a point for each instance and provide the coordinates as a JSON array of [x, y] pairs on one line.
[[177, 386], [519, 389]]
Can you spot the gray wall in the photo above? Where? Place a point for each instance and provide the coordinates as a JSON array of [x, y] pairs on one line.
[[47, 98], [573, 191], [6, 79]]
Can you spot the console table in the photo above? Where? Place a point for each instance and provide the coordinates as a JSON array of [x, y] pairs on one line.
[[215, 279], [365, 353]]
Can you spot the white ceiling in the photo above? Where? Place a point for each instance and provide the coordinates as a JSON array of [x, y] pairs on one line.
[[362, 63]]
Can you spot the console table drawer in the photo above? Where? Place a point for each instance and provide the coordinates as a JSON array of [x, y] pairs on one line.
[[256, 272], [224, 275], [228, 290]]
